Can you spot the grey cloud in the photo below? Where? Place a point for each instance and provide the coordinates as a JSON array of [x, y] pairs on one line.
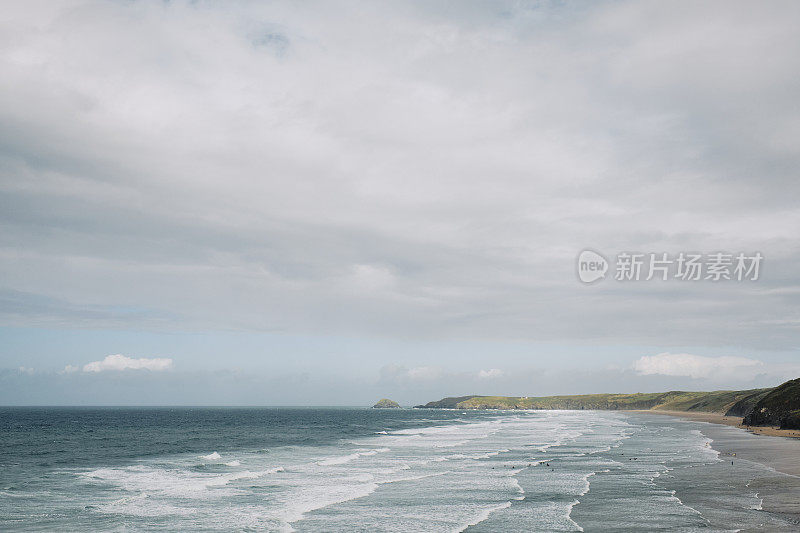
[[423, 172], [26, 309]]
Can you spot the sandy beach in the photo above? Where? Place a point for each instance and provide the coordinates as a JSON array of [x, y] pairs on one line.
[[736, 421], [767, 446], [773, 447]]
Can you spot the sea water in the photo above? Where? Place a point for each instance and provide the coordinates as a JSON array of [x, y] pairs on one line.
[[333, 469]]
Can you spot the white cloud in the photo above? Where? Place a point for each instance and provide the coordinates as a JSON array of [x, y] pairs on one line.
[[120, 362], [695, 366], [418, 374], [425, 373], [26, 370], [69, 369], [438, 375]]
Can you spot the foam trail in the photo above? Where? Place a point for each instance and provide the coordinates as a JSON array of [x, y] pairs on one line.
[[328, 461], [484, 516]]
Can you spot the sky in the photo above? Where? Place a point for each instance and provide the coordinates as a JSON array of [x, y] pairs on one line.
[[318, 203]]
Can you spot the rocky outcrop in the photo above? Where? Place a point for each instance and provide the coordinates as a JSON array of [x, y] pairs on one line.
[[445, 403], [780, 407], [386, 403], [746, 404]]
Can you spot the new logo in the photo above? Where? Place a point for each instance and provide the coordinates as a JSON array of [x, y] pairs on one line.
[[591, 266]]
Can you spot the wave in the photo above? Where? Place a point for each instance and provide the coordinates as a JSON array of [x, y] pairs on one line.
[[587, 483], [171, 483], [216, 458], [519, 488], [415, 478], [321, 476], [569, 514], [307, 502], [485, 514], [227, 478], [329, 461], [489, 454], [673, 496], [213, 456]]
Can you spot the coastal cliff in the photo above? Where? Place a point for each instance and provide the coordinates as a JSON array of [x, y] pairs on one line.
[[777, 407], [780, 407], [715, 401]]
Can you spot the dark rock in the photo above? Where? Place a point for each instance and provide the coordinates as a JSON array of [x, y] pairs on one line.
[[780, 407]]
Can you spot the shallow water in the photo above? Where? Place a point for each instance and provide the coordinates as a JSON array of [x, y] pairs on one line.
[[303, 469]]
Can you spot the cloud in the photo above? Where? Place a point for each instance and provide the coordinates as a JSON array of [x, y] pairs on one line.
[[447, 379], [409, 172], [491, 373], [696, 366], [422, 373], [69, 369], [120, 362]]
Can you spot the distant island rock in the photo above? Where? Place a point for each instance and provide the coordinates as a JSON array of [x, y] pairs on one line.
[[385, 403]]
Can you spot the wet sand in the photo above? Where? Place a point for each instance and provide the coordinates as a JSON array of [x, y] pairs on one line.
[[735, 421], [717, 418], [780, 491]]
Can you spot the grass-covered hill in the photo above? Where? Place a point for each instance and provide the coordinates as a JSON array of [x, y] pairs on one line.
[[716, 401], [780, 407]]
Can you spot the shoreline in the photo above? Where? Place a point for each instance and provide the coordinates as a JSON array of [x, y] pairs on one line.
[[719, 418], [775, 448], [780, 493]]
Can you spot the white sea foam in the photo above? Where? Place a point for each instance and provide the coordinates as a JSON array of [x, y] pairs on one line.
[[487, 455], [307, 501], [688, 507], [569, 514], [213, 456], [760, 505], [587, 483], [141, 505], [415, 478], [518, 487], [224, 479], [484, 515], [328, 461], [419, 464], [172, 483]]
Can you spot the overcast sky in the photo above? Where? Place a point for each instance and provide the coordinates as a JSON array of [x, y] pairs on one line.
[[326, 203]]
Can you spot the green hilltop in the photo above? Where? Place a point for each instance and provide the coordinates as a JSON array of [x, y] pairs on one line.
[[734, 403]]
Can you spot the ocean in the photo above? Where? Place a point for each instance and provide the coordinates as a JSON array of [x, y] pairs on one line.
[[336, 469]]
